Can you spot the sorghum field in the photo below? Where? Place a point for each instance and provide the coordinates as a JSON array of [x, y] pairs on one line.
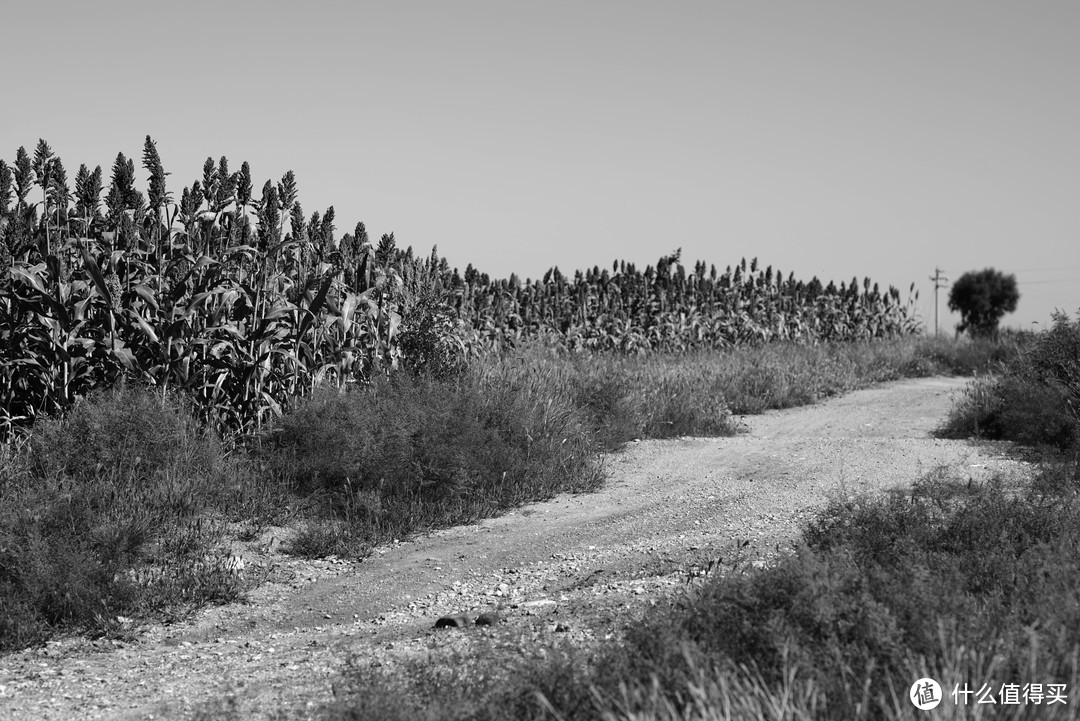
[[175, 369], [244, 303]]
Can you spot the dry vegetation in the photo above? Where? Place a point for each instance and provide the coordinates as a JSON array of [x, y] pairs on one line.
[[965, 583]]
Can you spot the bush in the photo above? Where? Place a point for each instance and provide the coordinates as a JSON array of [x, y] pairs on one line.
[[132, 433], [430, 340], [1034, 400], [107, 513], [963, 357], [414, 452]]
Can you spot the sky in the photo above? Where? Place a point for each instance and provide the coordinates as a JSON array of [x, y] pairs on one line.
[[836, 138]]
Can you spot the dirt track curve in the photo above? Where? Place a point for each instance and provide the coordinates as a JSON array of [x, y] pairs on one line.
[[575, 568]]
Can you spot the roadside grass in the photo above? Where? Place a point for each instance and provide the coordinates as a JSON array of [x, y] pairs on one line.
[[416, 452], [119, 510], [413, 453], [944, 578], [965, 583], [116, 511], [666, 395], [974, 585], [969, 584], [1035, 399]]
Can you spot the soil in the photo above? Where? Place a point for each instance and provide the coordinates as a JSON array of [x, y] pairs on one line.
[[575, 569]]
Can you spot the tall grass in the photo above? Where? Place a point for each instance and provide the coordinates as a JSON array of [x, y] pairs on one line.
[[95, 505], [965, 583], [695, 393], [1034, 399], [971, 585], [412, 453], [115, 511]]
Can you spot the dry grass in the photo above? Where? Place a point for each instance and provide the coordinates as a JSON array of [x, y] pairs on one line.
[[129, 482]]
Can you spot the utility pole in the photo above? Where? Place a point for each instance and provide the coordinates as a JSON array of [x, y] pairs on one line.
[[939, 282]]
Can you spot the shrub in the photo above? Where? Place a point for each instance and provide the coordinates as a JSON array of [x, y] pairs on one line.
[[413, 452], [1035, 399], [107, 512], [133, 433], [430, 340]]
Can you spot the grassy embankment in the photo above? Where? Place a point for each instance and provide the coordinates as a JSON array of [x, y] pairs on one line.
[[123, 508], [964, 583]]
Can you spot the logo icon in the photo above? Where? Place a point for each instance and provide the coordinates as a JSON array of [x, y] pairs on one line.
[[925, 694]]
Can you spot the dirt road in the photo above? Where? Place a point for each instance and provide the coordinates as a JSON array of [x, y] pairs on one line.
[[575, 567]]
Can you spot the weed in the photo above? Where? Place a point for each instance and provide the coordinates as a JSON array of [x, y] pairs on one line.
[[415, 452], [878, 585], [97, 503], [1035, 397], [105, 513]]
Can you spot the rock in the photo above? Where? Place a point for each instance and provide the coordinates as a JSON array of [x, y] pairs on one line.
[[539, 603], [453, 622]]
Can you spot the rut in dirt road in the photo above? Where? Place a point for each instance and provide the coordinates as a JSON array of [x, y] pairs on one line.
[[585, 560]]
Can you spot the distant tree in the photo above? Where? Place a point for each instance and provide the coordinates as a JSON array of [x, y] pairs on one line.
[[982, 298]]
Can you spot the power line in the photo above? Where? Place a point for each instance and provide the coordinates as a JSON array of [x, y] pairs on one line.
[[1024, 270], [1045, 270], [1044, 282], [1051, 292]]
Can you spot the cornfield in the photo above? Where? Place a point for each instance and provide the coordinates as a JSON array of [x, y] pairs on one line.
[[246, 304]]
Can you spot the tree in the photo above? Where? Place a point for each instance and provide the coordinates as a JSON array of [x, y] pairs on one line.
[[982, 298]]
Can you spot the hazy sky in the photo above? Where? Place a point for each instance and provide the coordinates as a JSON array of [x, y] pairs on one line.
[[827, 138]]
